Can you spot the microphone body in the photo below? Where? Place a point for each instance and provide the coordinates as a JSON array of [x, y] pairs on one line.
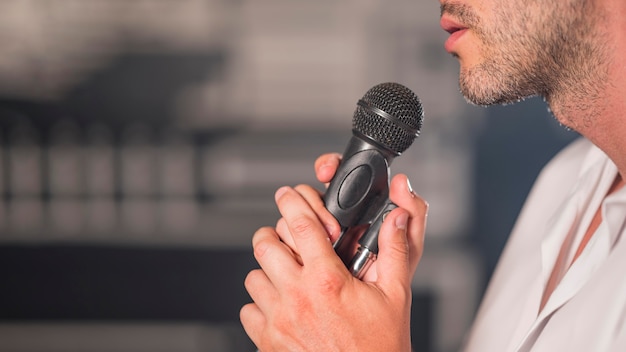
[[387, 120], [360, 183]]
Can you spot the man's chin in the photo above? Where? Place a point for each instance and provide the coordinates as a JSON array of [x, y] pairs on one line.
[[479, 98], [482, 94]]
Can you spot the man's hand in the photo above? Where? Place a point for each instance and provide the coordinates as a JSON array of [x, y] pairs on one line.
[[304, 297]]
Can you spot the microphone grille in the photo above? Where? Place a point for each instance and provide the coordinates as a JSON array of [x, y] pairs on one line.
[[391, 115]]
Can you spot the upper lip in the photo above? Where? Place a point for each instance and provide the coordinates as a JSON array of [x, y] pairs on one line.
[[449, 25]]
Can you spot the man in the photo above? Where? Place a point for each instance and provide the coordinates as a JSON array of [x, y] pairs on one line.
[[561, 282]]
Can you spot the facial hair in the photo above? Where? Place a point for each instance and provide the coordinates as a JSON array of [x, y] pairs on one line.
[[542, 47]]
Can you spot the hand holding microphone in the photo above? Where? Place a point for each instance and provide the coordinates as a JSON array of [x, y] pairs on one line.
[[304, 298], [386, 122]]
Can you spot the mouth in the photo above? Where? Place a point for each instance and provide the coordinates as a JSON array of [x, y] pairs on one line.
[[455, 29], [451, 26]]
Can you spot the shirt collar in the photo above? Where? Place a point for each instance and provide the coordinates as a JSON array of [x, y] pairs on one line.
[[614, 205]]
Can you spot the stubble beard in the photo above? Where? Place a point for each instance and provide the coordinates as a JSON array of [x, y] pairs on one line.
[[560, 58]]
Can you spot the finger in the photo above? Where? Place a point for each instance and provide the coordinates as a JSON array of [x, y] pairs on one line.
[[314, 198], [283, 232], [261, 290], [309, 235], [326, 165], [274, 257], [253, 322], [285, 235], [403, 195], [393, 266]]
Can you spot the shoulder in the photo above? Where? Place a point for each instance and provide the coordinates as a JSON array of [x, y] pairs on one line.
[[520, 261]]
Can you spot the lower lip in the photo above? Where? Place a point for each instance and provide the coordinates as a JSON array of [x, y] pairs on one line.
[[454, 37]]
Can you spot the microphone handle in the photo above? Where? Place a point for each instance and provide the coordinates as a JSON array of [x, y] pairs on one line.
[[368, 243], [360, 185]]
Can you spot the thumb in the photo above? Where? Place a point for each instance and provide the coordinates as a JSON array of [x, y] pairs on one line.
[[392, 265]]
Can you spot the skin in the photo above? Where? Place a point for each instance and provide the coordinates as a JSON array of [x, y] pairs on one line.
[[304, 297], [570, 52]]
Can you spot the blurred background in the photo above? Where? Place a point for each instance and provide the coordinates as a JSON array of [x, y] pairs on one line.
[[141, 143]]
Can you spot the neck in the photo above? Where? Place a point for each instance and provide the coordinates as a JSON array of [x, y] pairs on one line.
[[599, 114]]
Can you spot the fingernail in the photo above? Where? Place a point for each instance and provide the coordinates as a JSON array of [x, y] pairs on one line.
[[402, 220], [409, 187]]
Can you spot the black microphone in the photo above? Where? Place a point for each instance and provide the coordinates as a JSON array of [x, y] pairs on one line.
[[386, 122]]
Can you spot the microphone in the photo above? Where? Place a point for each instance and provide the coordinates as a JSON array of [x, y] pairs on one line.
[[386, 122]]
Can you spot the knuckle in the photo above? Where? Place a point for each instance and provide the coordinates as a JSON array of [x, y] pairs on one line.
[[301, 226], [281, 321], [280, 330], [260, 234], [405, 294], [261, 246], [252, 278], [312, 196], [303, 188], [330, 282], [284, 198], [399, 252], [401, 295], [276, 335], [418, 211], [245, 312]]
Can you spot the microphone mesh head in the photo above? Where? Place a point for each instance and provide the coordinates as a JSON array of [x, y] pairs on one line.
[[391, 115]]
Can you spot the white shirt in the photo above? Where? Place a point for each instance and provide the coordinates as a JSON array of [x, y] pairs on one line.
[[586, 311]]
